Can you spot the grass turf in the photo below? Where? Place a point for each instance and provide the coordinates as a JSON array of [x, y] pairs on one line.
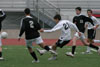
[[18, 56]]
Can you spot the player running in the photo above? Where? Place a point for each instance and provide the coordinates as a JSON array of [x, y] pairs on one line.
[[65, 26], [2, 17], [30, 26], [80, 21], [92, 29]]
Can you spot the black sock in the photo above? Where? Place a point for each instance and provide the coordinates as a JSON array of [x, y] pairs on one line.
[[34, 55], [73, 49], [47, 48], [0, 54], [93, 46]]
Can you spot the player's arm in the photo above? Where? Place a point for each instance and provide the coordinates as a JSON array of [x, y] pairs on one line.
[[57, 27], [86, 25], [72, 25], [2, 17], [97, 25], [22, 29], [2, 13], [74, 20], [37, 25], [87, 19]]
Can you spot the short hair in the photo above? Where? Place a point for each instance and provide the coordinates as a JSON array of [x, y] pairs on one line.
[[27, 11], [78, 8], [57, 16], [90, 10]]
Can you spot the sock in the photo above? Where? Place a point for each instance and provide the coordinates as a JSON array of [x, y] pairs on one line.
[[96, 41], [88, 49], [47, 48], [34, 55], [73, 49], [0, 54], [93, 46]]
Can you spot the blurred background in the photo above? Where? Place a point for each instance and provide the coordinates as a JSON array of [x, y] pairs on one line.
[[44, 11]]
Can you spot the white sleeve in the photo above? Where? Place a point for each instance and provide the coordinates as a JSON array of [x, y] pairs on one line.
[[72, 25], [97, 21], [57, 27]]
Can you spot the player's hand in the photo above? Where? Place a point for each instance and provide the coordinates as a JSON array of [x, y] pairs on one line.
[[0, 9], [19, 38], [75, 22], [79, 33], [86, 25], [95, 28], [42, 30]]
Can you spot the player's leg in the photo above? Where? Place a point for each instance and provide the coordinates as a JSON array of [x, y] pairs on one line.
[[83, 40], [75, 38], [91, 45], [1, 57], [88, 50], [59, 43], [40, 42], [96, 41], [91, 36], [73, 47], [32, 53], [95, 47], [53, 57]]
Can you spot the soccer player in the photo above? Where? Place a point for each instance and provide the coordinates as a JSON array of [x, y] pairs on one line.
[[30, 26], [92, 29], [2, 17], [65, 26], [80, 21]]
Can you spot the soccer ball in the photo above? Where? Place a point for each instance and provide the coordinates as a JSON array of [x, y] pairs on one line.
[[4, 35]]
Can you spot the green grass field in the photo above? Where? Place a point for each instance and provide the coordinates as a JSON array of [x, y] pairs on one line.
[[18, 56]]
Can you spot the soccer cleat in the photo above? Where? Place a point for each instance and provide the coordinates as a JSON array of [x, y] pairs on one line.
[[41, 52], [69, 54], [99, 51], [52, 58], [53, 52], [1, 58], [87, 52], [34, 61]]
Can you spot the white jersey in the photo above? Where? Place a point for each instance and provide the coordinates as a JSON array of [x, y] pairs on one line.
[[65, 26], [95, 22]]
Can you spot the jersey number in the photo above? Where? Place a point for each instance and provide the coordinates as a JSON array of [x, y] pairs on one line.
[[81, 21], [66, 26], [31, 24]]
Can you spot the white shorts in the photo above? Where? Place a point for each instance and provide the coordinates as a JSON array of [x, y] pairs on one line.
[[80, 37], [36, 40]]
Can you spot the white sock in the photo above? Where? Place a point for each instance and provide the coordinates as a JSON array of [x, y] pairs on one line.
[[97, 41], [88, 49], [44, 51]]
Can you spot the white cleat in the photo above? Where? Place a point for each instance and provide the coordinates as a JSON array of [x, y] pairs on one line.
[[41, 52], [52, 58], [69, 54], [99, 51], [34, 61], [87, 52], [53, 52], [1, 58]]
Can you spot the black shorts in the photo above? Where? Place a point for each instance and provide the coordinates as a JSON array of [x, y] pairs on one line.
[[61, 43], [91, 34]]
